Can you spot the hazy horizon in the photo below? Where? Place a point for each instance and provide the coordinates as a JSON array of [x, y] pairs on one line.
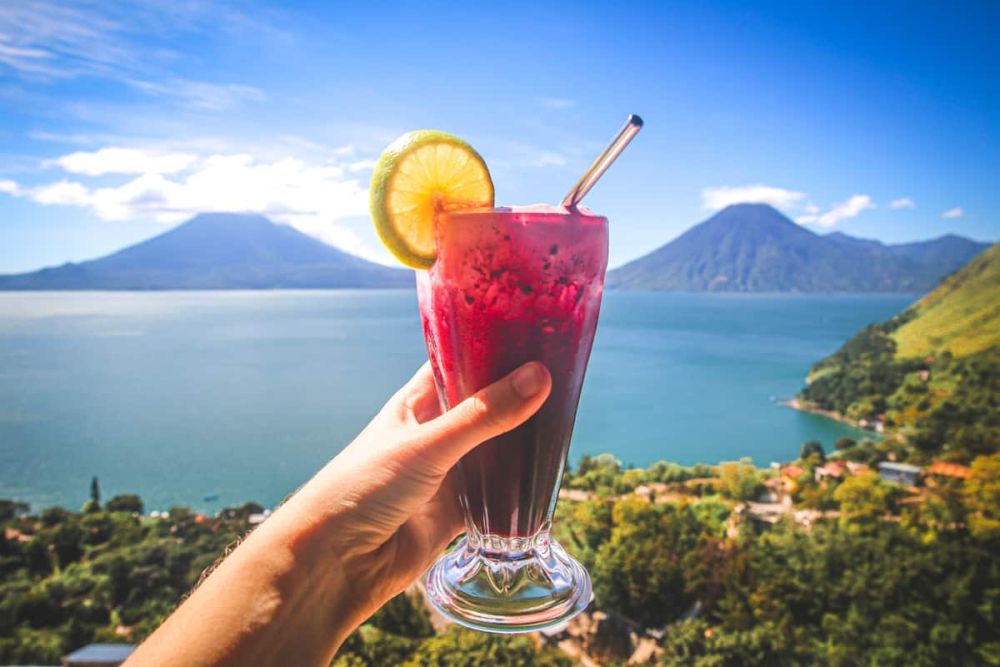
[[394, 263]]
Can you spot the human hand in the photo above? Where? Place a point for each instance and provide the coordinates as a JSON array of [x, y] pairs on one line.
[[389, 498], [354, 536]]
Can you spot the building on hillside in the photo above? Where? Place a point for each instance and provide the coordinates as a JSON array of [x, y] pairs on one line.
[[13, 534], [830, 470], [899, 473], [792, 471], [98, 655], [788, 477], [944, 469], [854, 468], [876, 424], [774, 490]]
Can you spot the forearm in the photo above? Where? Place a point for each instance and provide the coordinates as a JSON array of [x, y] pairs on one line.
[[356, 534], [278, 599]]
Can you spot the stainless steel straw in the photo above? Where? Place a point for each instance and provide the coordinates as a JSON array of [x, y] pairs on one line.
[[603, 161]]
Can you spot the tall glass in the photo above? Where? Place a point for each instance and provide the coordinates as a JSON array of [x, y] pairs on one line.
[[512, 285]]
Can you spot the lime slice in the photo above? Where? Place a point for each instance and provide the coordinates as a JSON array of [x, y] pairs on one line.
[[420, 175]]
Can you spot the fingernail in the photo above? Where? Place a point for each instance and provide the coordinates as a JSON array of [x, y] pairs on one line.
[[528, 380]]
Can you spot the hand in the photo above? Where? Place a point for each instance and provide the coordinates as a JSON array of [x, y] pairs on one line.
[[370, 522], [391, 494]]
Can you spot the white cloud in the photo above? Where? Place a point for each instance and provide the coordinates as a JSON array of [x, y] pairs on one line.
[[42, 40], [361, 165], [61, 192], [547, 159], [54, 40], [715, 198], [24, 59], [903, 202], [201, 95], [842, 211], [113, 160], [557, 103], [313, 197], [956, 212]]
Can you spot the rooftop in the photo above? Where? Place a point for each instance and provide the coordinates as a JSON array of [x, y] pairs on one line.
[[898, 467], [104, 655], [949, 469]]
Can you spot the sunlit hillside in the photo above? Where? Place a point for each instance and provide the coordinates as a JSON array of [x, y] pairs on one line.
[[961, 316], [930, 374]]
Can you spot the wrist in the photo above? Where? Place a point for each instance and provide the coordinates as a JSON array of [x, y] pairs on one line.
[[328, 577], [306, 611]]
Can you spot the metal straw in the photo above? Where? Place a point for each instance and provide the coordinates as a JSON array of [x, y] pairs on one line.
[[603, 161]]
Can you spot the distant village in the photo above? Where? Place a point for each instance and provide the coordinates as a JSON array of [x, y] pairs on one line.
[[776, 500]]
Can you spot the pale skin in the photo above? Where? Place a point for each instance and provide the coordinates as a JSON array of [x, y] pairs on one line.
[[359, 532]]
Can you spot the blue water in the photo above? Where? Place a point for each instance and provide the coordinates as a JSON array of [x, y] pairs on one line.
[[182, 396]]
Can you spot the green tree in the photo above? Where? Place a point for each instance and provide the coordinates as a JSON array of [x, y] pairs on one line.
[[739, 480], [638, 571], [863, 500], [583, 527], [369, 646], [125, 503], [601, 474], [812, 450], [11, 509], [67, 542], [844, 443], [404, 616], [459, 647], [982, 493], [94, 503]]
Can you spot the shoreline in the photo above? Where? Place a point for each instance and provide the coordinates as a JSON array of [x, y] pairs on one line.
[[803, 406]]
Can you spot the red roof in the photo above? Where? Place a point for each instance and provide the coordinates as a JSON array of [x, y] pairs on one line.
[[949, 469], [792, 471], [835, 468], [15, 534]]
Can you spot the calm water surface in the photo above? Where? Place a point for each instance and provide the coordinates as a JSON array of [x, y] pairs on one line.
[[183, 396]]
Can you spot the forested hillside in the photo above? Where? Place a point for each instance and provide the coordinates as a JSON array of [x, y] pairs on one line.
[[686, 571], [930, 375]]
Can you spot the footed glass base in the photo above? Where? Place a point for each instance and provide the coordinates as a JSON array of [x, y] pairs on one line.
[[499, 584]]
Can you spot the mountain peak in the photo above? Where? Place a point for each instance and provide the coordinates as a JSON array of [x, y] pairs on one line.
[[227, 217], [755, 248], [228, 222], [750, 206], [219, 251], [750, 209], [759, 216]]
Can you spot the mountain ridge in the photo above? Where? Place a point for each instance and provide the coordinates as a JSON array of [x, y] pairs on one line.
[[754, 248], [742, 248], [217, 251]]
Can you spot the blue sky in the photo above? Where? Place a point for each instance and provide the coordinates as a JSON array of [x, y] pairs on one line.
[[118, 120]]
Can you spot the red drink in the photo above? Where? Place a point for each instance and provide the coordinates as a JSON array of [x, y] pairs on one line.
[[500, 287], [511, 286]]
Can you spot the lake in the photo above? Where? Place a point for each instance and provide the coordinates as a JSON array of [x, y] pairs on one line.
[[233, 396]]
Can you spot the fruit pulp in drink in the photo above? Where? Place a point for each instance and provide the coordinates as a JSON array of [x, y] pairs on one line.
[[512, 285]]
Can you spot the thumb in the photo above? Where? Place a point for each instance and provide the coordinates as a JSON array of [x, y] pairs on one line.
[[496, 409]]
